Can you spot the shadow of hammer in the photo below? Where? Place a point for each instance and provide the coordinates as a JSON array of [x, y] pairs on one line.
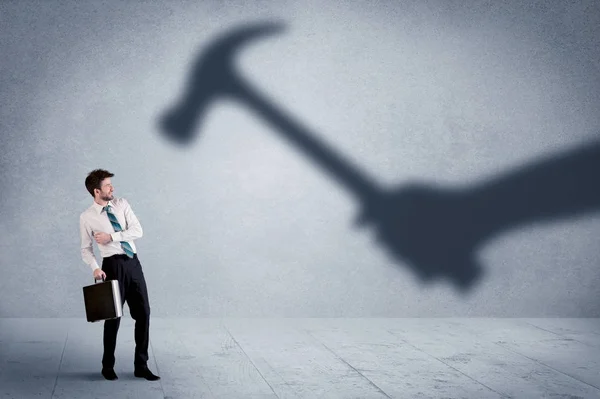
[[399, 224]]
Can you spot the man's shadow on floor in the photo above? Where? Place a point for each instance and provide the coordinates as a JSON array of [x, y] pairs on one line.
[[93, 376], [81, 375]]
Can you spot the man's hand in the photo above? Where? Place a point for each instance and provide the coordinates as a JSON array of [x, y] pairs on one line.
[[99, 274], [102, 238]]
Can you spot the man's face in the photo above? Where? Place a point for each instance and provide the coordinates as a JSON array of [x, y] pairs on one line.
[[106, 190]]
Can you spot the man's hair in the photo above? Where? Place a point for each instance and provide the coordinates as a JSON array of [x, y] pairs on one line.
[[94, 179]]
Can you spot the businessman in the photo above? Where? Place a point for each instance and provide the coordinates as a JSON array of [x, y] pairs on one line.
[[111, 223]]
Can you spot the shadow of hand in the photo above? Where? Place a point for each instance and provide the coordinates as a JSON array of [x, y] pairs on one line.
[[429, 229]]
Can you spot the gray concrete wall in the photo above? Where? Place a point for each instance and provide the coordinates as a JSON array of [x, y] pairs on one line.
[[491, 109]]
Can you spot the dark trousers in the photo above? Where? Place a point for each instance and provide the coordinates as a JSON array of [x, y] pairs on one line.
[[128, 272]]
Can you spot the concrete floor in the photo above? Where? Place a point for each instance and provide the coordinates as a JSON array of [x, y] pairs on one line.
[[308, 358]]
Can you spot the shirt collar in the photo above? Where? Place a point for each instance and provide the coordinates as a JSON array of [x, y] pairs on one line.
[[99, 207]]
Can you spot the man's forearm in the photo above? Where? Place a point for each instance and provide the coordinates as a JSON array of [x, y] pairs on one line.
[[88, 258], [87, 250], [133, 233]]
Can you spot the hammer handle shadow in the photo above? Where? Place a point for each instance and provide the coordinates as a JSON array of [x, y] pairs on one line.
[[342, 170]]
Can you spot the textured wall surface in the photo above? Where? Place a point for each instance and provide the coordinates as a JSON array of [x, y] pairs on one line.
[[491, 109]]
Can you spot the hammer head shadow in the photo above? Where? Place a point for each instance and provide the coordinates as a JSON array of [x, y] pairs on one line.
[[213, 75]]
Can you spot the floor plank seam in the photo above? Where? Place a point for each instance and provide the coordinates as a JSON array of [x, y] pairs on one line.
[[448, 365], [347, 364], [560, 335], [59, 366], [157, 369], [545, 365], [274, 370], [256, 368], [204, 382]]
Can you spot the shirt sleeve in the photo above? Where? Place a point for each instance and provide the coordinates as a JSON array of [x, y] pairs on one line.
[[133, 228], [87, 249]]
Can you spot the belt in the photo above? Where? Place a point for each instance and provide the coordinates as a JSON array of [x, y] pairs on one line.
[[121, 256]]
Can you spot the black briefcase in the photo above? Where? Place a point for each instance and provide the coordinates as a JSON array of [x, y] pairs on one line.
[[102, 301]]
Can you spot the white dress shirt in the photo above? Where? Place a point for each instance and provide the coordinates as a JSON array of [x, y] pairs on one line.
[[95, 220]]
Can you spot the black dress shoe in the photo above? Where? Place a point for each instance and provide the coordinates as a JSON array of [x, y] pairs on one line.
[[109, 374], [146, 373]]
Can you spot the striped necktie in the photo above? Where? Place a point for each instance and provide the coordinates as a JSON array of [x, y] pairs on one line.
[[117, 226]]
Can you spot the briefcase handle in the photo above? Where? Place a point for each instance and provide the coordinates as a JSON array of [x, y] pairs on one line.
[[95, 279]]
